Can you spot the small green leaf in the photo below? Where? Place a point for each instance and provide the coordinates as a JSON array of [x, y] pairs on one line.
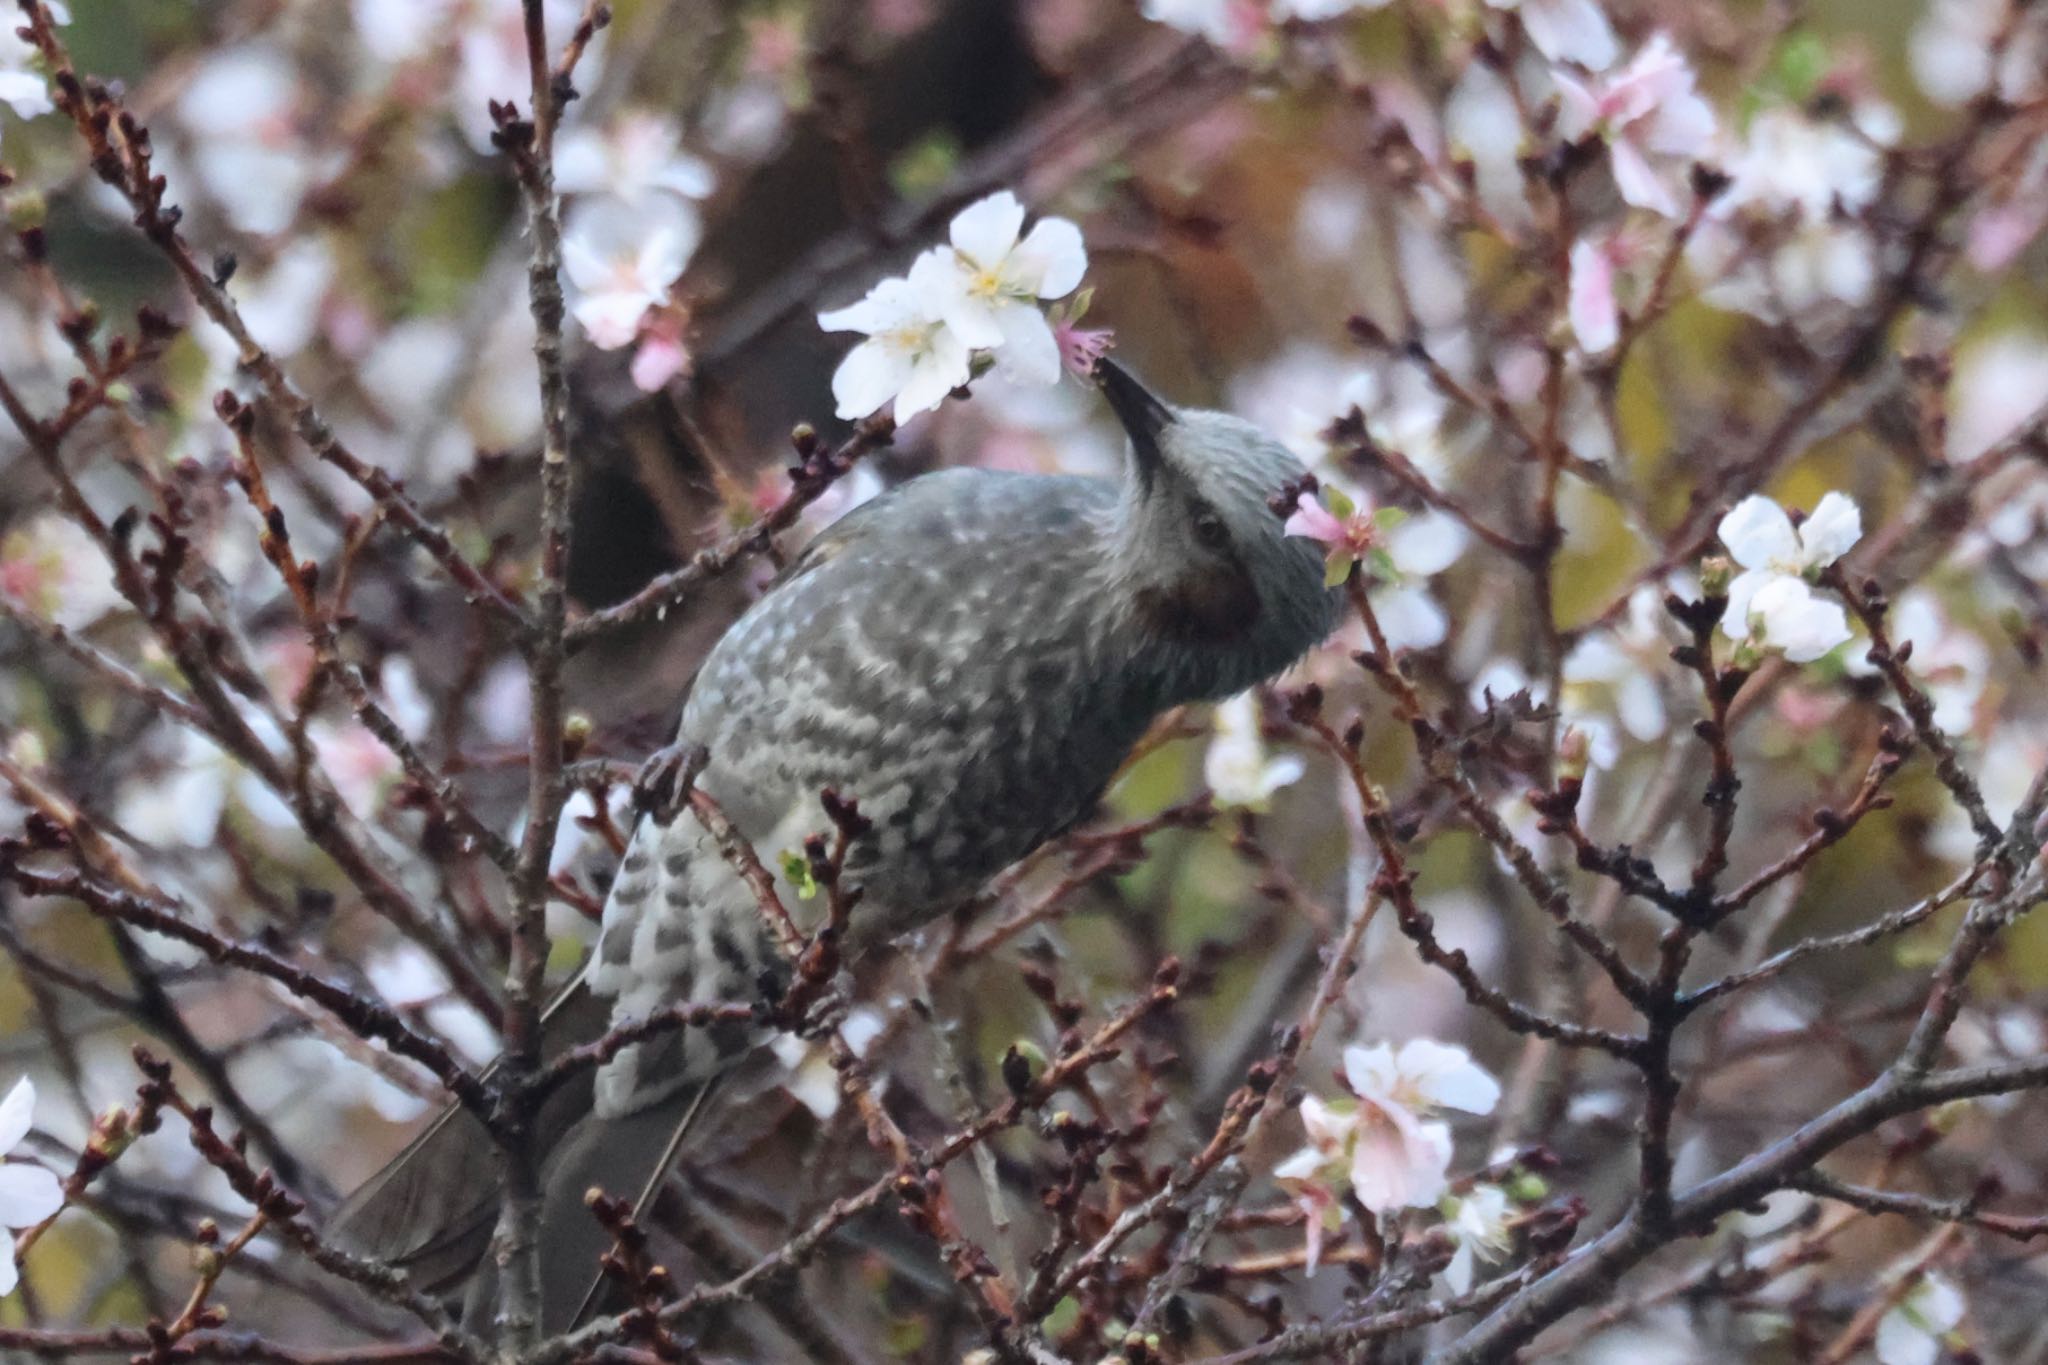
[[1337, 568], [1064, 1315], [1387, 518], [925, 165], [1381, 565], [1802, 61], [1338, 501], [797, 868]]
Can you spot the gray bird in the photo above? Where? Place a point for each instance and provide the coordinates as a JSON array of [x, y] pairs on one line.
[[970, 657]]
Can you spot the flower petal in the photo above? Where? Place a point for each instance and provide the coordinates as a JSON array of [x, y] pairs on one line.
[[1578, 108], [1312, 521], [891, 304], [1796, 621], [1326, 1127], [934, 373], [1570, 31], [28, 1195], [1757, 532], [1370, 1071], [582, 165], [1638, 181], [1596, 319], [17, 1113], [1427, 543], [612, 319], [1834, 527], [1409, 616], [986, 230], [1735, 619], [1303, 1165], [1399, 1162], [1030, 353], [1447, 1076], [1051, 259], [1458, 1274], [659, 359], [871, 375], [1902, 1341]]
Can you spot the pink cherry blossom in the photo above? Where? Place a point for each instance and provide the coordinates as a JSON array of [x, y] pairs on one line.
[[622, 259], [1596, 317], [661, 355], [1081, 347], [1653, 122]]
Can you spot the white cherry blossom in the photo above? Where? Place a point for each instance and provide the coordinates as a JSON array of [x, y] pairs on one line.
[[1398, 1161], [394, 31], [1616, 671], [1478, 1225], [1654, 123], [1420, 547], [1304, 389], [29, 1193], [1315, 11], [1804, 180], [178, 800], [491, 61], [1311, 1174], [1384, 1140], [1956, 56], [2000, 384], [1424, 1074], [1230, 24], [639, 156], [1567, 30], [911, 355], [54, 569], [1911, 1332], [999, 279], [622, 259], [243, 108], [22, 87], [1786, 615], [1236, 765], [1770, 601]]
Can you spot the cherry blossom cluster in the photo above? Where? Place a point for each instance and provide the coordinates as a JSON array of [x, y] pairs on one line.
[[1384, 1144], [1575, 30], [630, 236], [979, 295]]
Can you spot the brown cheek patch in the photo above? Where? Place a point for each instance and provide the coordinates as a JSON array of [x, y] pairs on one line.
[[1207, 609]]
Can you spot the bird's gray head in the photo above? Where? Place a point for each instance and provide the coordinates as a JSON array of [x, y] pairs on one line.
[[1199, 551]]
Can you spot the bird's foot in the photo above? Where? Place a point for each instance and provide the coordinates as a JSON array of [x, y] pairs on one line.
[[663, 783]]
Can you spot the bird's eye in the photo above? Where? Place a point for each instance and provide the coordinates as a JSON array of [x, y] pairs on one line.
[[1210, 533]]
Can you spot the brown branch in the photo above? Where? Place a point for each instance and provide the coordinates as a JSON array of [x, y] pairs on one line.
[[818, 469], [366, 1018]]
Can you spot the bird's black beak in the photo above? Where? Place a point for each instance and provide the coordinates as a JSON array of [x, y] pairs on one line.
[[1143, 414]]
